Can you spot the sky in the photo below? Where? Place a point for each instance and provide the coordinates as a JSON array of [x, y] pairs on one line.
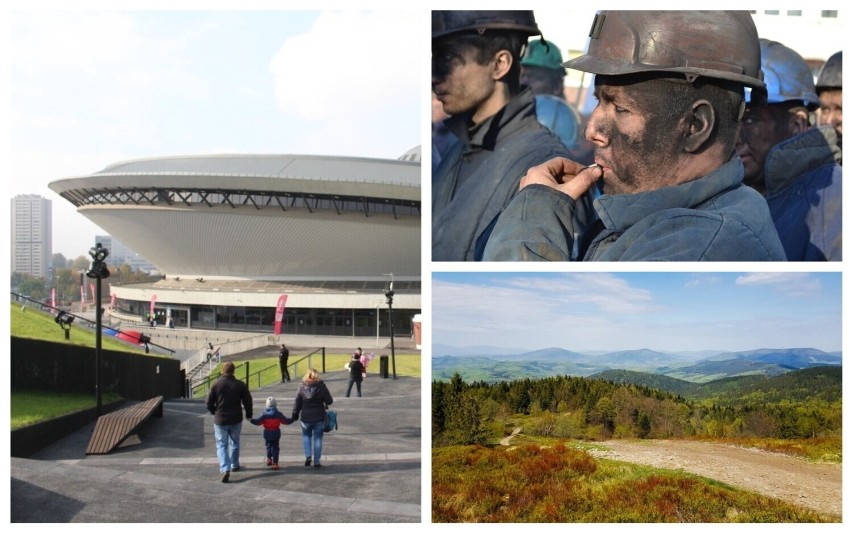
[[90, 88], [664, 311]]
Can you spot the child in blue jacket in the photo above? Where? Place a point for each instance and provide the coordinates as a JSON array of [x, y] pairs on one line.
[[271, 420]]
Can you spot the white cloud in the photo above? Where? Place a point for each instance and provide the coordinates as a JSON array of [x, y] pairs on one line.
[[797, 284], [350, 66]]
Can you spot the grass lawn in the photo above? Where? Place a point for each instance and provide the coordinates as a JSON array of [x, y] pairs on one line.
[[33, 324], [264, 371], [31, 407]]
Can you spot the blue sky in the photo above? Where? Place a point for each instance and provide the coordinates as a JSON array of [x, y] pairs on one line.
[[89, 88], [666, 311]]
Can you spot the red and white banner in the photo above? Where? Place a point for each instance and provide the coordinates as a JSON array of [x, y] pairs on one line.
[[112, 301], [92, 291], [279, 313], [53, 297], [82, 293], [153, 301]]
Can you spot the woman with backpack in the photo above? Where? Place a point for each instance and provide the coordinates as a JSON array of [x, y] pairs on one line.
[[312, 400]]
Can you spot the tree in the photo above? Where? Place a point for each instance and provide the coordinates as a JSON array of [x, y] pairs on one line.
[[644, 425]]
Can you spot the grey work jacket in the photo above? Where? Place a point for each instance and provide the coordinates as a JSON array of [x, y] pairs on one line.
[[480, 175]]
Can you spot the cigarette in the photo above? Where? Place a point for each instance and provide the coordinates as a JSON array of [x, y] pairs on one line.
[[594, 165]]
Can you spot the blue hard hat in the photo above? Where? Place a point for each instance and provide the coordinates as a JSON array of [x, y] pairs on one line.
[[786, 75], [562, 119]]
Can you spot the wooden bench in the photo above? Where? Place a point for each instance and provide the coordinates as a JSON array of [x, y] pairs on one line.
[[113, 428]]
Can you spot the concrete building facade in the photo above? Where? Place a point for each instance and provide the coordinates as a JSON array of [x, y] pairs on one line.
[[31, 238]]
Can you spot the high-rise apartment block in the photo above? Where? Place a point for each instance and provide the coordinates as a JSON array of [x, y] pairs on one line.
[[32, 245]]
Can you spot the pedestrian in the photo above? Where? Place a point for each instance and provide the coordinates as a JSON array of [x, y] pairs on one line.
[[209, 351], [283, 357], [271, 420], [670, 102], [795, 166], [226, 401], [356, 373], [476, 76], [365, 359], [829, 88], [312, 401]]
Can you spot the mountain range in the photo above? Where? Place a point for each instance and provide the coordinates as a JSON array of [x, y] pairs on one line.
[[492, 364]]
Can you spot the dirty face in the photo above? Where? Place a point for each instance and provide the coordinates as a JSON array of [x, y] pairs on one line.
[[762, 128], [636, 139], [831, 110], [459, 82]]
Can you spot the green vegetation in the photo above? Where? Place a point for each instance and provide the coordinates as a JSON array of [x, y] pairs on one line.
[[556, 483], [30, 323], [582, 408], [31, 407], [264, 371]]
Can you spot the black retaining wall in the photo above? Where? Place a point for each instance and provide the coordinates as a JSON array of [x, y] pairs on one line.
[[51, 366], [57, 367]]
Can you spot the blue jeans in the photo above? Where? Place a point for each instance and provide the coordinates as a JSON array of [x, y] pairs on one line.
[[228, 445], [313, 431]]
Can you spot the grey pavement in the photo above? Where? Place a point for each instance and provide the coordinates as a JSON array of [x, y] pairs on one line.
[[168, 472]]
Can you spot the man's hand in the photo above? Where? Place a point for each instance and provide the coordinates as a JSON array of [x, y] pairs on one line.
[[564, 175]]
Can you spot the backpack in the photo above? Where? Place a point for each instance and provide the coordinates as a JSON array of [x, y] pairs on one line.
[[330, 421]]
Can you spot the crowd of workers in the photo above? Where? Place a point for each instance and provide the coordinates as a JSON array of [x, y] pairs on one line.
[[707, 143]]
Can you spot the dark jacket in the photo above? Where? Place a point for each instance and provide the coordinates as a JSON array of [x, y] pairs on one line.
[[225, 399], [480, 174], [271, 420], [804, 192], [356, 370], [283, 355], [714, 218], [311, 401]]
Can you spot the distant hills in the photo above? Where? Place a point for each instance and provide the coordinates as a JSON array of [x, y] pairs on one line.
[[491, 365]]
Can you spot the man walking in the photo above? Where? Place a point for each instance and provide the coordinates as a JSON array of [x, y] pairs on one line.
[[283, 357], [224, 402]]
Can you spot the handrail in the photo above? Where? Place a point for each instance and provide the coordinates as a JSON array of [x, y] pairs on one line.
[[204, 385]]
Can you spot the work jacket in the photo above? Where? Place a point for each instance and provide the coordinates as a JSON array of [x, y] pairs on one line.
[[714, 218], [481, 173], [804, 192]]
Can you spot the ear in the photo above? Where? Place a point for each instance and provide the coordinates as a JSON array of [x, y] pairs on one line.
[[502, 64], [799, 122], [701, 120]]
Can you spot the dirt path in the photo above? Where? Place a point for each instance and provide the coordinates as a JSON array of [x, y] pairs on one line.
[[815, 486], [505, 441]]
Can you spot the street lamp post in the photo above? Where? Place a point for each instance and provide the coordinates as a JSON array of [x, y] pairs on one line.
[[389, 296], [98, 270]]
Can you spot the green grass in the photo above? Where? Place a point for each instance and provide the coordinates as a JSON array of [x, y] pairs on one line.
[[556, 483], [34, 324], [407, 365], [32, 407]]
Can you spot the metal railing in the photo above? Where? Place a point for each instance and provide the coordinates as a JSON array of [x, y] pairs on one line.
[[49, 309], [243, 373]]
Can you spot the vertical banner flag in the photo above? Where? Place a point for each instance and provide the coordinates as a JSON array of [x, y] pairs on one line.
[[92, 292], [82, 293], [279, 313], [153, 301], [53, 297], [112, 301]]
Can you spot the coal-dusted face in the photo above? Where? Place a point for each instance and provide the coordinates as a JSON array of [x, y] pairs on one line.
[[459, 81], [636, 133]]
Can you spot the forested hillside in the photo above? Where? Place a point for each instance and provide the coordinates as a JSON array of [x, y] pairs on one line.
[[800, 404]]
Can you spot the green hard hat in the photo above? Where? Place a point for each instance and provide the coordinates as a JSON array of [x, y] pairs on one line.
[[544, 54]]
